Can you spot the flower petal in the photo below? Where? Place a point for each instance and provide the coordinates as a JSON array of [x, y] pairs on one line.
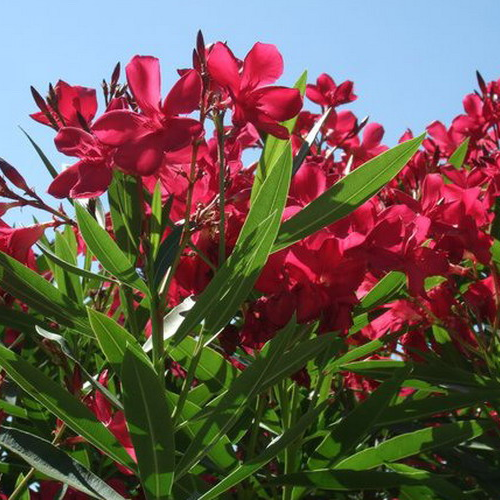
[[280, 103], [118, 127], [64, 182], [74, 141], [262, 65], [143, 77], [223, 66], [179, 133], [142, 156], [185, 95], [73, 99], [93, 180]]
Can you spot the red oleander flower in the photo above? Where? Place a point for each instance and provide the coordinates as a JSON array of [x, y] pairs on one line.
[[141, 139], [252, 101], [327, 93], [69, 106], [89, 177], [17, 241]]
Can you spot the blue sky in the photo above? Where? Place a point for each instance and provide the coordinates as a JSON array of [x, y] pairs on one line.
[[411, 61]]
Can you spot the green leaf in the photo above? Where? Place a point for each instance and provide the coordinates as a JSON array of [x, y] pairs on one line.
[[231, 404], [221, 454], [495, 225], [458, 156], [68, 283], [435, 485], [113, 339], [348, 480], [148, 420], [48, 165], [107, 251], [25, 495], [384, 291], [296, 358], [274, 147], [361, 351], [63, 405], [13, 410], [71, 268], [66, 349], [125, 209], [212, 369], [235, 279], [413, 443], [347, 194], [437, 373], [309, 141], [166, 254], [54, 463], [19, 320], [351, 430], [410, 410], [35, 291], [277, 446], [156, 223]]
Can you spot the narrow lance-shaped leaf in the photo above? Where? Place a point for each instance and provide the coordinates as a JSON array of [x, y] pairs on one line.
[[413, 443], [235, 279], [383, 292], [230, 405], [348, 480], [274, 147], [125, 210], [166, 254], [107, 251], [458, 156], [35, 291], [55, 463], [410, 410], [48, 165], [113, 339], [156, 223], [273, 449], [63, 405], [436, 485], [67, 282], [309, 141], [71, 268], [353, 428], [347, 194], [148, 420], [66, 349]]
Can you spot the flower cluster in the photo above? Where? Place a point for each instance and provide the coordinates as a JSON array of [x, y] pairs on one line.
[[434, 222]]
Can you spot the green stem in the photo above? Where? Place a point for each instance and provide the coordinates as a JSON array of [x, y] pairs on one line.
[[128, 300], [219, 125], [157, 339], [186, 386], [165, 287], [259, 411], [290, 451]]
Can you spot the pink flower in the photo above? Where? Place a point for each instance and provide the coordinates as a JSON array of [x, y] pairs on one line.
[[89, 177], [141, 139], [327, 93], [17, 241], [72, 104], [252, 101]]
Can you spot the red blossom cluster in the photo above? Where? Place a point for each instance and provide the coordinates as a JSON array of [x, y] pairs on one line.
[[432, 222]]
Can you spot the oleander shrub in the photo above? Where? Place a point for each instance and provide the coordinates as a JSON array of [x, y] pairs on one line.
[[237, 290]]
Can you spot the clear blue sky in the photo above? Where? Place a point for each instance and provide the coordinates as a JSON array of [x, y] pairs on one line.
[[411, 61]]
